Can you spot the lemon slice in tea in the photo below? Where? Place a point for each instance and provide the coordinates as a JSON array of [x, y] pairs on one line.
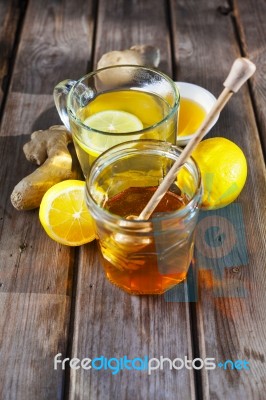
[[64, 214], [114, 125], [114, 121]]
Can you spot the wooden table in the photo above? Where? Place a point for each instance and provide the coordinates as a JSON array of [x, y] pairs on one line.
[[55, 299]]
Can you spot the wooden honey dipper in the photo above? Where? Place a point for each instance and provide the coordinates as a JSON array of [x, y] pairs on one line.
[[241, 70]]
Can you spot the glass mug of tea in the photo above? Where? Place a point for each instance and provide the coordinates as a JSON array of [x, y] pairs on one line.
[[143, 257], [117, 104]]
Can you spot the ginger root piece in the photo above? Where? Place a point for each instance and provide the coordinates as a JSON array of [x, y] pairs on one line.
[[146, 55], [49, 148], [140, 55]]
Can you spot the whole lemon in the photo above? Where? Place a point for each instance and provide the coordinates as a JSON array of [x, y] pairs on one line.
[[223, 169]]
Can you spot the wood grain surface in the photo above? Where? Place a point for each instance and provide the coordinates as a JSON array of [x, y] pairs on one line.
[[231, 297], [34, 329], [250, 22], [111, 323], [36, 274], [55, 299], [118, 324], [10, 14]]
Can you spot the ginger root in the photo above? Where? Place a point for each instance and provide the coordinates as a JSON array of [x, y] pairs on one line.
[[137, 55], [140, 55], [49, 148]]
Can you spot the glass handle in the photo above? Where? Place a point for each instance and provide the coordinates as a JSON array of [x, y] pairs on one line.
[[61, 92]]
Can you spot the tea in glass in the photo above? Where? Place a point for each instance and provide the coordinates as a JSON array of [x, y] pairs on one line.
[[117, 104]]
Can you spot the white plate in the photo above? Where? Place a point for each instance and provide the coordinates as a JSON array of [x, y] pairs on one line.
[[200, 95]]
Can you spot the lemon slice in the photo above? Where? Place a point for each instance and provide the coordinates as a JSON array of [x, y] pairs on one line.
[[114, 121], [112, 124], [64, 214]]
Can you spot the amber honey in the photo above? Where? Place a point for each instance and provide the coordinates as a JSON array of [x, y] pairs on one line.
[[148, 264]]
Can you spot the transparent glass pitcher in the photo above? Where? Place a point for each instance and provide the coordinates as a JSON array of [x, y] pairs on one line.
[[146, 99]]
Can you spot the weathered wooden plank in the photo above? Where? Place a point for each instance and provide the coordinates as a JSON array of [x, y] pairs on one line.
[[29, 107], [250, 21], [56, 42], [65, 50], [33, 330], [30, 261], [231, 299], [10, 12], [123, 24], [109, 322]]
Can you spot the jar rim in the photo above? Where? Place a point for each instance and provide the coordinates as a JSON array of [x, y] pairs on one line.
[[100, 163]]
